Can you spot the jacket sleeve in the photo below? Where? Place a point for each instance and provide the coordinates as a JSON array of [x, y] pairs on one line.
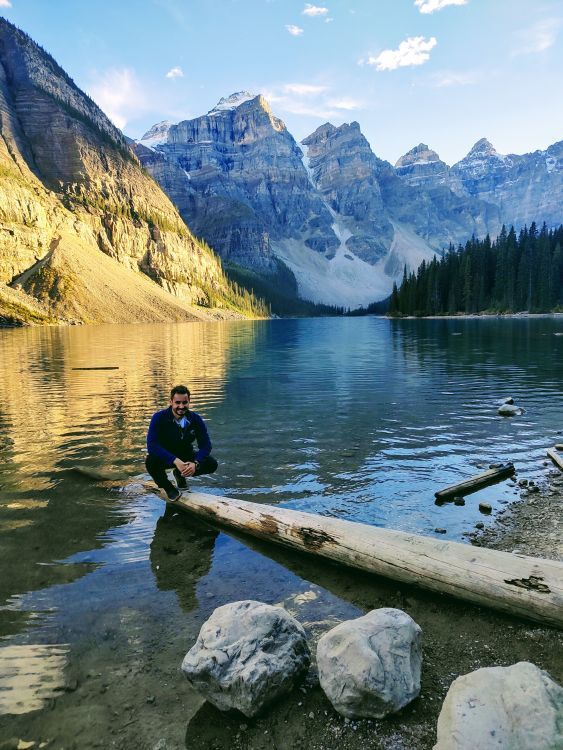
[[203, 441], [153, 446]]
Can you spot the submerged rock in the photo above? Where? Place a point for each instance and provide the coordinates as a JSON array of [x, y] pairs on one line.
[[247, 654], [370, 667], [502, 708]]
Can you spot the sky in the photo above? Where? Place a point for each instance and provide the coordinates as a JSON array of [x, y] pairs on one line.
[[441, 72]]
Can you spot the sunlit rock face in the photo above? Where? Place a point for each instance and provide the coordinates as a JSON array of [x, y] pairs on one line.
[[86, 232], [526, 188]]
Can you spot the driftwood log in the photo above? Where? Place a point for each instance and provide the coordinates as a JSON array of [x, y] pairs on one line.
[[520, 585], [477, 482], [556, 457]]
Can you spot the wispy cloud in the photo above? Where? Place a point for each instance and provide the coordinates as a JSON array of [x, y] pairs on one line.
[[539, 37], [310, 100], [303, 89], [314, 10], [346, 104], [430, 6], [413, 51], [120, 94], [176, 72], [294, 30], [5, 4], [448, 78]]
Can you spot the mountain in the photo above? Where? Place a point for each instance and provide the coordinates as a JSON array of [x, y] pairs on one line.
[[241, 181], [86, 235], [525, 188]]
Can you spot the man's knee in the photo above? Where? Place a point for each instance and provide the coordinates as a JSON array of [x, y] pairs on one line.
[[207, 466]]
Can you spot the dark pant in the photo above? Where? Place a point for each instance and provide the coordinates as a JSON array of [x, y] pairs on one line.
[[157, 469]]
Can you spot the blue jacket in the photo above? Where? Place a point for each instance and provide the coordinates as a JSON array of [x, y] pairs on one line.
[[167, 440]]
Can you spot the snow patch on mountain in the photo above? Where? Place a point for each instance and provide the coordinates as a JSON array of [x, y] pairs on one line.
[[156, 135], [231, 102]]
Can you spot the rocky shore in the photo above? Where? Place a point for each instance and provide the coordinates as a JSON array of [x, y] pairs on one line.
[[457, 639]]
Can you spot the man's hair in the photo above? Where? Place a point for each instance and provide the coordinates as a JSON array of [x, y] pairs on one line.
[[179, 389]]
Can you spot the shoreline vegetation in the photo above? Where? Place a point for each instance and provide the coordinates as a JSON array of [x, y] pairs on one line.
[[507, 276]]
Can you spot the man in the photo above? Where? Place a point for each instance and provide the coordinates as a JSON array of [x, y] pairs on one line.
[[170, 439]]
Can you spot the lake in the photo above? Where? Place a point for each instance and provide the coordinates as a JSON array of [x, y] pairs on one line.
[[359, 418]]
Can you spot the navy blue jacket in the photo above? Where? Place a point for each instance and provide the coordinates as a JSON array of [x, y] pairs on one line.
[[167, 440]]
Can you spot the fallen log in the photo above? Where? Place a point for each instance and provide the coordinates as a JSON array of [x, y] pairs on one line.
[[492, 476], [555, 457], [523, 586]]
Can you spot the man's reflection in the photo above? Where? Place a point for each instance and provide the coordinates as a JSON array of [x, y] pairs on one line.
[[181, 553]]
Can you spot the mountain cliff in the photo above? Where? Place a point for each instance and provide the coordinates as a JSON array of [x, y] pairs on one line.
[[86, 235], [526, 188]]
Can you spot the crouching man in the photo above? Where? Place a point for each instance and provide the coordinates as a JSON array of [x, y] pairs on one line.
[[170, 444]]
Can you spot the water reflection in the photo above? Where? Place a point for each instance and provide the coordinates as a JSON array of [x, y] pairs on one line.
[[30, 676], [180, 554], [360, 419]]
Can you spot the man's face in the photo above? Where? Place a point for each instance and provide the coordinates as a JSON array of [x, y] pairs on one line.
[[180, 403]]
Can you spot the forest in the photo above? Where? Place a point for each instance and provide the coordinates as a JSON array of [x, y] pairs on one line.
[[514, 273]]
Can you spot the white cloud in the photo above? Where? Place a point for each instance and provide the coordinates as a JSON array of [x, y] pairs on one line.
[[540, 36], [314, 10], [303, 89], [176, 72], [447, 78], [429, 6], [345, 103], [294, 30], [5, 4], [413, 51], [119, 94]]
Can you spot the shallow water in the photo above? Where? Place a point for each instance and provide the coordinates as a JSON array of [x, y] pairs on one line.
[[100, 594]]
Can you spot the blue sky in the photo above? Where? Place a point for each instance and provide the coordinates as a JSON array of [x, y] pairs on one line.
[[441, 72]]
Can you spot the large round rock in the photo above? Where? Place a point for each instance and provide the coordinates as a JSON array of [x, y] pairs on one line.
[[246, 655], [370, 667], [502, 708]]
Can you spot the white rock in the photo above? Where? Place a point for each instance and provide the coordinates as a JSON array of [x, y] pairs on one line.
[[370, 667], [246, 655], [502, 708], [508, 410]]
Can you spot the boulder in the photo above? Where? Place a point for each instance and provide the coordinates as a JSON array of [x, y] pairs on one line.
[[247, 654], [502, 708], [370, 667], [509, 410]]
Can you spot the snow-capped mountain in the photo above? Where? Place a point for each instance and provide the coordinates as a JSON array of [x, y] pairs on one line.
[[342, 220]]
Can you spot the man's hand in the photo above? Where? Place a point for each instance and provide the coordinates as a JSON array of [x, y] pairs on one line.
[[186, 468]]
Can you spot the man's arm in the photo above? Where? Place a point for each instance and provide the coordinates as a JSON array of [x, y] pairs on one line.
[[203, 440], [153, 446]]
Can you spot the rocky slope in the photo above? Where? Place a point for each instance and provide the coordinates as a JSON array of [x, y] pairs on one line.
[[85, 234], [526, 188]]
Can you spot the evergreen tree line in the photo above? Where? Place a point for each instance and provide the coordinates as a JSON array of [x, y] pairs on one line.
[[515, 273]]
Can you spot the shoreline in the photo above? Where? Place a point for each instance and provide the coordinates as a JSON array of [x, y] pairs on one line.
[[457, 639]]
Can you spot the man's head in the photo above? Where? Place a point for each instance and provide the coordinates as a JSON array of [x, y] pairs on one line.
[[179, 401]]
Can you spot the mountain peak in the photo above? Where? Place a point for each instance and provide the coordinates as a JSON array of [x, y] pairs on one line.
[[233, 101], [483, 147], [157, 134], [420, 154]]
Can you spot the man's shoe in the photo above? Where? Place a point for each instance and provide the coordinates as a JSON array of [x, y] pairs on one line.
[[180, 480], [172, 493]]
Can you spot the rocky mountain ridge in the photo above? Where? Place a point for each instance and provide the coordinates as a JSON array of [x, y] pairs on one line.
[[342, 220], [85, 234]]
